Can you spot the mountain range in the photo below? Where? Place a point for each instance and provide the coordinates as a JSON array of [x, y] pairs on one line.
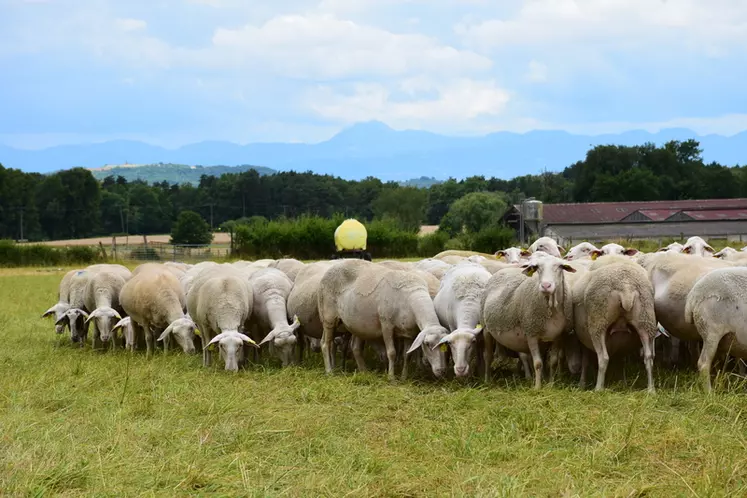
[[374, 149]]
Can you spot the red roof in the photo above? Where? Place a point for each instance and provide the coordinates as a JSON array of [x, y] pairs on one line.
[[717, 214], [611, 212]]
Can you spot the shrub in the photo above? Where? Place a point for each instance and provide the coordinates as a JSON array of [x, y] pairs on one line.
[[190, 228], [491, 239], [432, 244], [12, 254]]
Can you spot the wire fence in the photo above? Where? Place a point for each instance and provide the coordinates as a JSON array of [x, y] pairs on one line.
[[160, 251]]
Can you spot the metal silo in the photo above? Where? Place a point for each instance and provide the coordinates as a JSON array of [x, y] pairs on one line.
[[532, 215]]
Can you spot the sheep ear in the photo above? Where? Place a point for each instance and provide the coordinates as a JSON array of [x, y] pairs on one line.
[[568, 268], [248, 340], [477, 330], [525, 253], [119, 324], [630, 251], [529, 270], [709, 248], [50, 311], [62, 319], [165, 333], [296, 323], [687, 249], [500, 254], [595, 254], [444, 340], [116, 314], [93, 314], [267, 338], [215, 339], [416, 343]]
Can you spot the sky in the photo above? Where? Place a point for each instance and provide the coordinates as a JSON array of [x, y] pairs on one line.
[[171, 72]]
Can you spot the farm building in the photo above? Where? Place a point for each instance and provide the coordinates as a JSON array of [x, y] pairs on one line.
[[599, 221]]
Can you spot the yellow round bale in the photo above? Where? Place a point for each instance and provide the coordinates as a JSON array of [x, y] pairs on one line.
[[350, 236]]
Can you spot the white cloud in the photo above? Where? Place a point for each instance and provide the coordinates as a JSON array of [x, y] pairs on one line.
[[455, 101], [537, 72], [323, 46], [710, 27], [127, 24]]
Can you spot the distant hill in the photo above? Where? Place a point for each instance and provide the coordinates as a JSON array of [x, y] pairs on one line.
[[172, 173], [422, 182], [374, 149]]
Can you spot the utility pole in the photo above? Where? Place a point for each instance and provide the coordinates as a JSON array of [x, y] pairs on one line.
[[21, 210]]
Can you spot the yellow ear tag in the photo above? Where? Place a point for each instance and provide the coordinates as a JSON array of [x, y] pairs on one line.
[[197, 333], [444, 348], [530, 273], [479, 326], [594, 256]]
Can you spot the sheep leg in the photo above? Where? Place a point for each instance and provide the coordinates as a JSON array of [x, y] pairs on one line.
[[166, 344], [391, 351], [406, 345], [648, 357], [206, 336], [149, 339], [356, 345], [599, 340], [345, 347], [713, 336], [301, 344], [585, 355], [534, 349], [524, 360], [328, 336], [556, 350], [96, 337], [487, 354]]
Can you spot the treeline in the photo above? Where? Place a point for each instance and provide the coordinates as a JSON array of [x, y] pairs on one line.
[[73, 204]]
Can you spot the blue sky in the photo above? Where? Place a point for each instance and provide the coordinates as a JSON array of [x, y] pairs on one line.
[[171, 72]]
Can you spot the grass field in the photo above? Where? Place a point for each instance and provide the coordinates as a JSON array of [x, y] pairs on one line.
[[76, 422]]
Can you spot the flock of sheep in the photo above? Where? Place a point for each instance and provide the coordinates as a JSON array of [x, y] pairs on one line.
[[457, 307]]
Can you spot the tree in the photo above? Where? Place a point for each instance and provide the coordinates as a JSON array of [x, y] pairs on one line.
[[473, 212], [191, 228], [406, 205]]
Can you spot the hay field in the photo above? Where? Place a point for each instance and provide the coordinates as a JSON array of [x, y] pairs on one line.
[[82, 423]]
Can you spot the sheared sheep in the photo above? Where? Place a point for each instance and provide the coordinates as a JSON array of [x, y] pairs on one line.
[[546, 245], [523, 307], [102, 299], [513, 255], [271, 288]]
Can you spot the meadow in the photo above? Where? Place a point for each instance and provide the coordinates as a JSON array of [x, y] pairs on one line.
[[82, 423]]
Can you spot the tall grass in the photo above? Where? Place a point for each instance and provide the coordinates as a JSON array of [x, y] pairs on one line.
[[82, 423]]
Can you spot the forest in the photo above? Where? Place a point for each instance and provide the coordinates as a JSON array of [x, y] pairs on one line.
[[73, 204]]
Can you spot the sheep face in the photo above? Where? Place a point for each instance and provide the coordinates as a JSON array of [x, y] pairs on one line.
[[128, 331], [315, 345], [549, 271], [697, 247], [613, 250], [513, 255], [462, 343], [75, 319], [231, 348], [183, 330], [284, 341], [584, 249], [429, 340], [673, 247], [103, 318], [58, 310], [725, 252]]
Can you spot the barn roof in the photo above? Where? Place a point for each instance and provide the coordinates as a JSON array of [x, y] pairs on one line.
[[613, 212]]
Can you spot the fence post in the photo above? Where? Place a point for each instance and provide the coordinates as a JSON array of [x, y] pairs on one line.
[[174, 252]]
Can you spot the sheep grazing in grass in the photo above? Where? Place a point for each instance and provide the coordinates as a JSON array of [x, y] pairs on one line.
[[271, 288], [63, 302], [155, 301], [374, 303], [523, 307], [458, 308], [102, 297], [613, 309], [717, 307], [221, 305]]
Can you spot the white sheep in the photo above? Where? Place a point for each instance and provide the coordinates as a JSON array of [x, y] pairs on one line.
[[726, 252], [63, 301], [717, 307], [696, 246], [613, 307], [430, 280], [613, 250], [547, 245], [155, 300], [458, 308], [513, 255], [128, 332], [436, 267], [221, 305], [580, 251], [289, 266], [102, 299], [271, 288], [373, 303], [523, 307]]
